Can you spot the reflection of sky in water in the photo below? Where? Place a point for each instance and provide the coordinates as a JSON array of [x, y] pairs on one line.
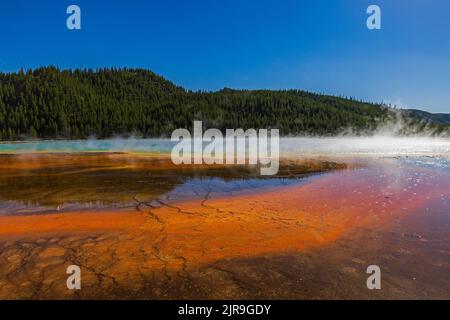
[[428, 162], [407, 152], [198, 187]]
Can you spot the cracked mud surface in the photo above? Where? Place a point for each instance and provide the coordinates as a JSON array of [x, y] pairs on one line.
[[306, 240]]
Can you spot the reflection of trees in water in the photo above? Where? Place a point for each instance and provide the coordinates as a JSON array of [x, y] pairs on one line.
[[52, 180]]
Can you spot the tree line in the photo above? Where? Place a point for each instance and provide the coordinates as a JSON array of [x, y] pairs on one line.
[[52, 103]]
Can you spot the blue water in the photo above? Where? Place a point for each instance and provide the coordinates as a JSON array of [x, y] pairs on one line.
[[113, 145]]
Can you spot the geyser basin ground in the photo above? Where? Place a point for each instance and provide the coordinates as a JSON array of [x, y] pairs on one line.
[[140, 227]]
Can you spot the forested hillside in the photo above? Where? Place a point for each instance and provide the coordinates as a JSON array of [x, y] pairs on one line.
[[52, 103], [438, 118]]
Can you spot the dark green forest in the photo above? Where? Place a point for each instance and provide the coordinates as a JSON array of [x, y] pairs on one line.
[[52, 103]]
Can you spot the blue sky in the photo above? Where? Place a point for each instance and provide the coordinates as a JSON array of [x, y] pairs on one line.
[[322, 46]]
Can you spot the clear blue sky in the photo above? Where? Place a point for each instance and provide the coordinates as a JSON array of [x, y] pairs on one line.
[[321, 46]]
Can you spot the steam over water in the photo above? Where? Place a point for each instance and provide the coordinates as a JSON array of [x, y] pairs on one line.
[[376, 146]]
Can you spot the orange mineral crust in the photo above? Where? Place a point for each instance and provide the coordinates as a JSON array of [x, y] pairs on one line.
[[281, 220], [286, 219], [157, 241], [65, 223]]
